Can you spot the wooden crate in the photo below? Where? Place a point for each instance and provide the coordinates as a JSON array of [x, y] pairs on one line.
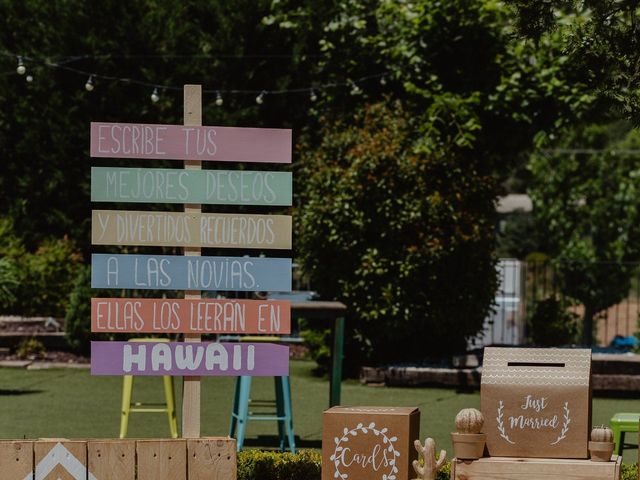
[[211, 458], [508, 468]]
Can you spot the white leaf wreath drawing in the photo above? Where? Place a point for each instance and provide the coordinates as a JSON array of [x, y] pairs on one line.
[[391, 475]]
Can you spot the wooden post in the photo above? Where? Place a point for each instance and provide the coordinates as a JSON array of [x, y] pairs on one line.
[[191, 385]]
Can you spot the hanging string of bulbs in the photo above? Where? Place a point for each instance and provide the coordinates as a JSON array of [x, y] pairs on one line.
[[354, 85]]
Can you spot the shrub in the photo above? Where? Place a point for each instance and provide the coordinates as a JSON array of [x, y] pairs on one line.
[[259, 465], [552, 325], [77, 322], [9, 282], [404, 238], [30, 348], [48, 278], [629, 471], [40, 281]]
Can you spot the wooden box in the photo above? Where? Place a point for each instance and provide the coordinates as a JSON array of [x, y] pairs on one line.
[[504, 468]]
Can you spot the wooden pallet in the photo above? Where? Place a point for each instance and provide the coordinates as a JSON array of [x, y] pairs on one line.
[[212, 458], [507, 468]]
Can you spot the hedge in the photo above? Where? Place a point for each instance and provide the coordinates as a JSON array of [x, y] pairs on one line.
[[306, 465]]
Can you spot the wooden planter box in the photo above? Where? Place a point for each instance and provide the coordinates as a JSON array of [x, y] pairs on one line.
[[212, 458], [501, 468]]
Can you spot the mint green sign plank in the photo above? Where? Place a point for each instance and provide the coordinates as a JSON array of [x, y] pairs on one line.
[[212, 187]]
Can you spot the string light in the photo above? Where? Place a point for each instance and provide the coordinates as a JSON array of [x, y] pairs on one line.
[[89, 85], [20, 69], [64, 63]]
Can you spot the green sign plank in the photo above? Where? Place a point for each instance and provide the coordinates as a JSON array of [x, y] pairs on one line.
[[212, 187]]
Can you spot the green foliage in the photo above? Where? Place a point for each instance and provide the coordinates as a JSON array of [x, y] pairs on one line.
[[48, 278], [518, 236], [552, 325], [9, 281], [30, 348], [39, 282], [318, 342], [599, 38], [77, 322], [404, 238], [587, 206], [259, 465], [629, 471]]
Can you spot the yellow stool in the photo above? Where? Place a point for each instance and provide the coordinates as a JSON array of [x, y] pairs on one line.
[[128, 407]]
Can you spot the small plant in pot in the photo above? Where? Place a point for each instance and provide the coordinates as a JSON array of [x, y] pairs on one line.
[[468, 442], [601, 444]]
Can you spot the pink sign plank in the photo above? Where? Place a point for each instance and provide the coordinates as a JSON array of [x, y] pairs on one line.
[[189, 359], [182, 142], [203, 316]]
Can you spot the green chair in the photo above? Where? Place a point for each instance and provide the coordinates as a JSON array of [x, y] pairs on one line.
[[136, 407], [622, 423]]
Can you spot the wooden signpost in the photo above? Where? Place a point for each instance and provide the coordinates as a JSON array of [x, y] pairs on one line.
[[177, 358], [191, 141], [208, 230], [166, 185], [192, 273], [207, 315], [170, 272]]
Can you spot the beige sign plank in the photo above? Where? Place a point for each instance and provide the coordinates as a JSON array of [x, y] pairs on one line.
[[179, 229]]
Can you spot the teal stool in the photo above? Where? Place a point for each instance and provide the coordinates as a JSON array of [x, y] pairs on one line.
[[621, 423], [241, 414]]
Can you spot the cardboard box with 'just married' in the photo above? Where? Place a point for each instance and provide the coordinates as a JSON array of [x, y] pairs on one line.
[[537, 402]]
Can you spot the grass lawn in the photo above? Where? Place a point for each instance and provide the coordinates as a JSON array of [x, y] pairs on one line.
[[71, 403]]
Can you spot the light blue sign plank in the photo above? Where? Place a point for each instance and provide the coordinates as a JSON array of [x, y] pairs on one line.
[[212, 187], [172, 272]]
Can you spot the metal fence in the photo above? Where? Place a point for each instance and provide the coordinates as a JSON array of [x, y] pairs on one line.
[[523, 284], [541, 282]]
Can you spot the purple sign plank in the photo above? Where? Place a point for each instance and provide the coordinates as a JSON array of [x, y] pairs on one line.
[[182, 142], [190, 359]]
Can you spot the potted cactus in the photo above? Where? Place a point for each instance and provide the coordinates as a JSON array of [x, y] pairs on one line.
[[601, 444], [468, 442]]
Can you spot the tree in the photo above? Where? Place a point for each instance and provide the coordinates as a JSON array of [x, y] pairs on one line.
[[587, 206], [44, 124], [403, 237], [601, 40]]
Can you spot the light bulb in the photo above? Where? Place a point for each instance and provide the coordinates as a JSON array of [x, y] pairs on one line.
[[260, 98], [20, 69], [155, 96], [313, 97], [219, 100], [29, 78], [89, 85]]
